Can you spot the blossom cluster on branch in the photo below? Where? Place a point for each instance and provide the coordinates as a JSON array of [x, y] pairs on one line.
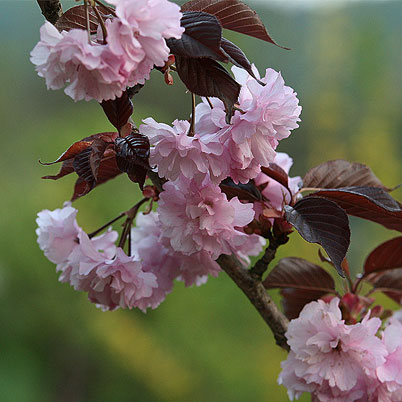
[[221, 189], [339, 362]]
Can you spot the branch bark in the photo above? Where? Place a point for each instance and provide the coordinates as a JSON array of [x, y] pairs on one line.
[[253, 288], [51, 9]]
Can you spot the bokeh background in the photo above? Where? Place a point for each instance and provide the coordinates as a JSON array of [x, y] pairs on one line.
[[202, 344]]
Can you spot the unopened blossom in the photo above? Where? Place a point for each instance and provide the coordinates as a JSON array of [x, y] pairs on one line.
[[266, 115], [276, 194], [121, 282], [57, 232], [175, 153], [89, 70], [198, 217], [329, 358], [141, 28]]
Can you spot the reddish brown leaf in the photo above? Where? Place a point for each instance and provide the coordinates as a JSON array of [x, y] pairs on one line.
[[79, 146], [324, 223], [237, 57], [300, 282], [132, 156], [75, 18], [386, 256], [107, 170], [293, 300], [206, 77], [119, 110], [233, 15], [369, 203], [389, 282], [86, 163], [201, 38], [66, 168], [245, 192], [277, 173], [340, 173]]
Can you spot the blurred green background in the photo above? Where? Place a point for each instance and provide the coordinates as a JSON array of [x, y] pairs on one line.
[[202, 344]]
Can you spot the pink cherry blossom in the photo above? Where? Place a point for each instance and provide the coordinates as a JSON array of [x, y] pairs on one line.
[[390, 372], [143, 26], [268, 114], [155, 258], [57, 232], [90, 69], [176, 153], [199, 217], [79, 268], [121, 282], [276, 194], [329, 358]]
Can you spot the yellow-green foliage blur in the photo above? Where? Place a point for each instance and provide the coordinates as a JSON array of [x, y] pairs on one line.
[[203, 344]]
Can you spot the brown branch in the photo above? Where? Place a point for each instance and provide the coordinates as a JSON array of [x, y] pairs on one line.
[[51, 9], [262, 264], [253, 288]]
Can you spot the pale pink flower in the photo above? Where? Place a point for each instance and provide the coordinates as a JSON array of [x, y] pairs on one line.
[[199, 217], [176, 153], [276, 194], [79, 268], [155, 258], [90, 69], [195, 268], [121, 282], [332, 358], [57, 232], [390, 372], [144, 25], [268, 114]]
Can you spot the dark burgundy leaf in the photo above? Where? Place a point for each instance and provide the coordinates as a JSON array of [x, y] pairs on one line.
[[79, 146], [298, 273], [132, 156], [119, 110], [340, 173], [277, 173], [301, 282], [386, 256], [75, 18], [293, 300], [369, 203], [206, 77], [324, 223], [389, 282], [107, 170], [86, 163], [233, 15], [237, 57], [66, 169], [201, 38], [245, 192]]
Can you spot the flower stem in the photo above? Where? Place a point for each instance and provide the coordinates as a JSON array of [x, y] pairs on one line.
[[101, 22], [87, 20], [93, 234], [191, 132]]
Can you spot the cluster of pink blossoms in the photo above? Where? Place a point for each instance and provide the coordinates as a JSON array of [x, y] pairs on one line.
[[342, 363], [96, 265], [94, 69], [112, 279], [265, 115]]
